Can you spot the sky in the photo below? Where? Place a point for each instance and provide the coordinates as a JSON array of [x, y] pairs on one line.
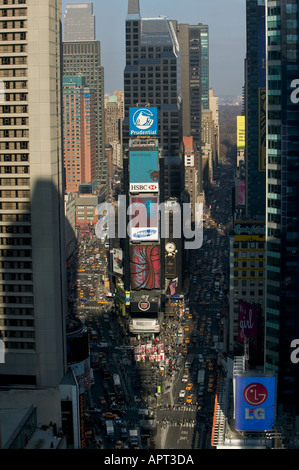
[[227, 36]]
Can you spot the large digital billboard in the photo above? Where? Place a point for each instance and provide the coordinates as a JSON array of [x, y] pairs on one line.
[[144, 218], [242, 193], [240, 132], [247, 321], [145, 267], [117, 262], [143, 121], [255, 401], [144, 171]]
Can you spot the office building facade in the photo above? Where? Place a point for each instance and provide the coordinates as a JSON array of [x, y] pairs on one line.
[[152, 74], [282, 175], [79, 22], [83, 57], [79, 133], [255, 105], [32, 252]]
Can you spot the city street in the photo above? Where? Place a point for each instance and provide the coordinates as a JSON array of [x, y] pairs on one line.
[[181, 408]]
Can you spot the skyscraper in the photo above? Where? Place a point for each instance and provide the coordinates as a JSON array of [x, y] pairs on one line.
[[32, 234], [79, 22], [152, 74], [83, 57], [255, 95], [282, 207], [79, 133]]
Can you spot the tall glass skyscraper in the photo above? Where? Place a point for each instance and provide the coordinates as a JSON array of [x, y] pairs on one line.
[[152, 74], [255, 95], [79, 22], [282, 210]]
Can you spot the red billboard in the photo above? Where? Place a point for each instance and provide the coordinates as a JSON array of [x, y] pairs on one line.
[[242, 193], [247, 321], [145, 267]]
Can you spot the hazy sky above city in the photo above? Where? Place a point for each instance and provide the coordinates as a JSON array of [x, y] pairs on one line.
[[227, 36]]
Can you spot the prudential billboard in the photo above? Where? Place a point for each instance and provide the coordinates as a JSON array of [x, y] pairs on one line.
[[255, 403], [143, 121]]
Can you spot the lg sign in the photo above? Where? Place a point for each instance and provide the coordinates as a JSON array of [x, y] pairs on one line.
[[255, 394], [255, 403]]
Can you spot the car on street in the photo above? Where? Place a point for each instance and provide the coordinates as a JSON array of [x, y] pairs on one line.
[[189, 386], [182, 393], [109, 415]]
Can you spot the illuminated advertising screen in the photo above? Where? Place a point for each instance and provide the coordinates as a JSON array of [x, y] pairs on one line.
[[240, 132], [262, 128], [144, 217], [117, 262], [143, 121], [254, 403], [241, 195], [144, 306], [144, 171], [82, 373], [247, 321], [145, 267]]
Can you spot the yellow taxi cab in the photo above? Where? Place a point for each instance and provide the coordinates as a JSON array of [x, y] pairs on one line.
[[189, 387], [119, 445]]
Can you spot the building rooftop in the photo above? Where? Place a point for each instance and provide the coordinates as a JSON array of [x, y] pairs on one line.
[[10, 420]]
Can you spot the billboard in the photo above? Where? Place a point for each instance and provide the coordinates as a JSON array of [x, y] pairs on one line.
[[241, 193], [247, 321], [145, 267], [122, 295], [255, 403], [117, 261], [144, 218], [262, 128], [240, 132], [144, 171], [144, 306], [143, 121]]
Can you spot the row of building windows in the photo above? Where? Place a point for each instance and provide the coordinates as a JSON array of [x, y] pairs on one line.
[[9, 157], [15, 241], [17, 265], [6, 299], [15, 182], [15, 277], [15, 288], [14, 169], [16, 323], [12, 218], [13, 36]]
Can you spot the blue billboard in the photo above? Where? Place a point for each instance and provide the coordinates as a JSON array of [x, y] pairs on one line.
[[255, 403], [144, 166], [143, 121]]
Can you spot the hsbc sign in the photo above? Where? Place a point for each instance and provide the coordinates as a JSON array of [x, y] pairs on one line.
[[144, 187]]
